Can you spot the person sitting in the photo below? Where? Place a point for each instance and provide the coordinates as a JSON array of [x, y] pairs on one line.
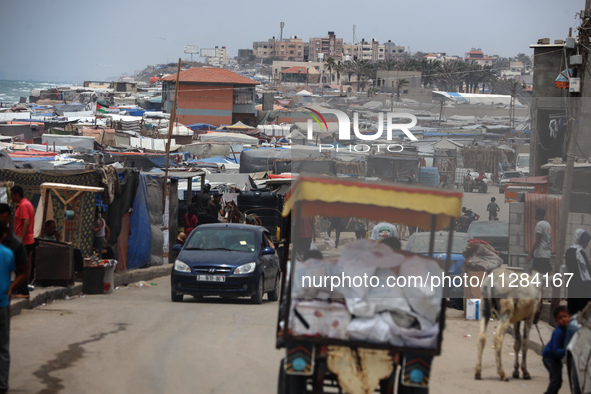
[[50, 232], [191, 220]]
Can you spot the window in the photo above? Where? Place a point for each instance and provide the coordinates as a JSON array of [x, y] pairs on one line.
[[242, 96]]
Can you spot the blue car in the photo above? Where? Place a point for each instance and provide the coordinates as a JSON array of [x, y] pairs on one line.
[[227, 260]]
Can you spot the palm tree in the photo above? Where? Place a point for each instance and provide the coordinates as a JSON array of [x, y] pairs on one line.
[[330, 65], [400, 83], [360, 68]]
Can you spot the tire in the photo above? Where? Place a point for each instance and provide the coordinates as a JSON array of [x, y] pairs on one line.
[[290, 384], [257, 298], [575, 387], [485, 188], [273, 295], [175, 297]]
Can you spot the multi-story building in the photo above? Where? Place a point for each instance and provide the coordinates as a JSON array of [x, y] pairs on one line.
[[215, 96], [476, 56], [263, 49], [393, 51], [220, 59], [330, 46], [371, 51], [291, 49]]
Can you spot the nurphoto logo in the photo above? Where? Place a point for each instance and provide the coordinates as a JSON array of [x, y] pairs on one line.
[[345, 130]]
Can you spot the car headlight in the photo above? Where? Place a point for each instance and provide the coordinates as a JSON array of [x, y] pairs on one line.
[[180, 266], [245, 268]]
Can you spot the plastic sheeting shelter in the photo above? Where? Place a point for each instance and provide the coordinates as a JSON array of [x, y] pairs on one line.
[[75, 141], [228, 137]]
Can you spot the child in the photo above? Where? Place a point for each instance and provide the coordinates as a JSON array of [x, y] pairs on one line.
[[492, 209], [555, 350]]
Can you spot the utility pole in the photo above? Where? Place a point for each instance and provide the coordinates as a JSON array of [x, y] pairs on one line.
[[512, 108], [574, 126], [392, 98]]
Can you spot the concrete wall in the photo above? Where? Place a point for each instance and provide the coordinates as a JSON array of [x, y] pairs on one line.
[[517, 252], [517, 230]]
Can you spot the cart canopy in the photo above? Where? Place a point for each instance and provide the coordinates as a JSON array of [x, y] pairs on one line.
[[411, 205]]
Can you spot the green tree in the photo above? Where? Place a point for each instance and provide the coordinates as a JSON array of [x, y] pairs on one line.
[[330, 65], [400, 84]]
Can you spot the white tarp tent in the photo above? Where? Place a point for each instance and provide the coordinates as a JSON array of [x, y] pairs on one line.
[[228, 137]]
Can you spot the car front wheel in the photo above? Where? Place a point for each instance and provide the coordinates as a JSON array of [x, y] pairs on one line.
[[257, 298], [175, 297]]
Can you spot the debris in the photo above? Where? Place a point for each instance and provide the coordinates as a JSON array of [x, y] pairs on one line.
[[141, 284]]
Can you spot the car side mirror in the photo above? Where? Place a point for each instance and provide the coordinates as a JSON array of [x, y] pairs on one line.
[[177, 248], [268, 250]]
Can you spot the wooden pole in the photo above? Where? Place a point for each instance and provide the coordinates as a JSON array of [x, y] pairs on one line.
[[170, 127]]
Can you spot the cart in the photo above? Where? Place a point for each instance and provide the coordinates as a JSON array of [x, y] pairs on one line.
[[316, 360]]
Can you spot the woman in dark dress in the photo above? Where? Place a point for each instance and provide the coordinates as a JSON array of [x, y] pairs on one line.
[[577, 263]]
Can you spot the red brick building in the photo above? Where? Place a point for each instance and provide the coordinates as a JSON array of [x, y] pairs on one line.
[[210, 95]]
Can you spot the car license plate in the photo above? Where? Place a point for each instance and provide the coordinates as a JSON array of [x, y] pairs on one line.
[[211, 278]]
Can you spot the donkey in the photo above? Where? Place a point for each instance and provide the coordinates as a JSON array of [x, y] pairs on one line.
[[512, 305]]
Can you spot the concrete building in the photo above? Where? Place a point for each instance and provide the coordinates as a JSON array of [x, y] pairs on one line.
[[370, 51], [385, 79], [548, 103], [478, 57], [291, 49], [220, 59], [280, 66], [245, 53], [210, 95], [330, 46], [393, 51], [263, 49]]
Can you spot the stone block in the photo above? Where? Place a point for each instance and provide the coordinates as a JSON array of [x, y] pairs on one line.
[[517, 207], [515, 218]]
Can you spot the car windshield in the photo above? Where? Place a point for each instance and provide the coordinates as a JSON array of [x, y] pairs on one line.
[[239, 240], [420, 244], [492, 228]]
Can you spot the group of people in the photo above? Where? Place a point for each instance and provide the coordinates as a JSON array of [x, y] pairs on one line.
[[204, 208]]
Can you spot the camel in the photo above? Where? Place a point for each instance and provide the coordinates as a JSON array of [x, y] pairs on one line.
[[511, 305]]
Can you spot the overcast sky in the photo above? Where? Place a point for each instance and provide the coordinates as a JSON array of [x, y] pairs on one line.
[[77, 40]]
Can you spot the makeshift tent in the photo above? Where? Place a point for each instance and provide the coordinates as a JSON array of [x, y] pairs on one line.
[[201, 126], [178, 129], [304, 93], [238, 126], [228, 137], [258, 160], [75, 141]]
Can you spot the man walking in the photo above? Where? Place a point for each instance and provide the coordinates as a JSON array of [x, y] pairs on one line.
[[24, 225], [542, 247]]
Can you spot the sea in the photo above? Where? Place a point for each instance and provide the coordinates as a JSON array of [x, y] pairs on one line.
[[12, 91]]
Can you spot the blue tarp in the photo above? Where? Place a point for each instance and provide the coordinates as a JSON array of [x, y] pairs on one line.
[[201, 126], [134, 111], [216, 159], [140, 239]]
